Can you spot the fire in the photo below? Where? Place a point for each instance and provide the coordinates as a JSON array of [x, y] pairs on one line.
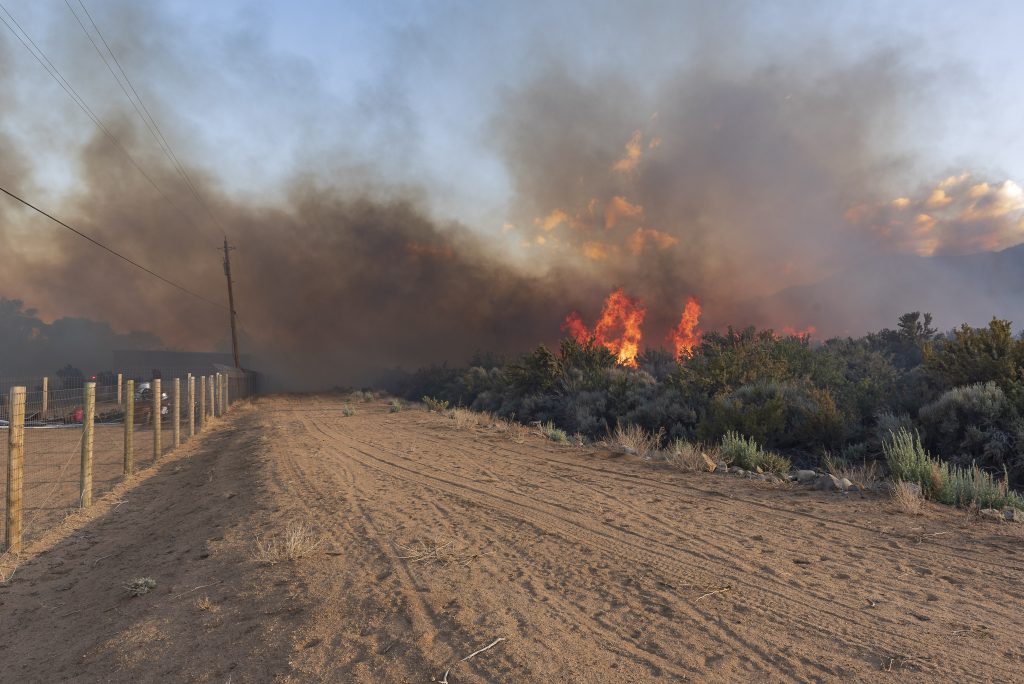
[[790, 331], [686, 336], [618, 330]]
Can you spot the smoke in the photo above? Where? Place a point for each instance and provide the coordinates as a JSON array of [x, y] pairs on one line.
[[731, 181]]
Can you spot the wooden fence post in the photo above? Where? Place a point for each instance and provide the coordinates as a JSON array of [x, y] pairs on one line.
[[46, 396], [216, 395], [88, 418], [119, 377], [202, 403], [157, 416], [212, 407], [176, 408], [15, 466], [129, 428], [191, 406]]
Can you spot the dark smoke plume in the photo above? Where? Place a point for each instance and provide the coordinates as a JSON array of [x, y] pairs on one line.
[[731, 182]]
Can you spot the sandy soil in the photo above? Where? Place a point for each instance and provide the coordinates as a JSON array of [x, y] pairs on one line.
[[437, 541]]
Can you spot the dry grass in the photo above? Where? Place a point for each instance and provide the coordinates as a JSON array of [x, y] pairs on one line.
[[297, 542], [464, 418], [8, 566], [689, 457], [204, 604], [633, 439], [906, 497], [516, 432], [866, 475]]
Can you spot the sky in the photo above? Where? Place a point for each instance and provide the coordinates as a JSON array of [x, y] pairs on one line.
[[431, 75], [726, 151]]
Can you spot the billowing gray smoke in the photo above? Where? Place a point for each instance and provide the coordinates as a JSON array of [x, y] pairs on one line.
[[742, 184]]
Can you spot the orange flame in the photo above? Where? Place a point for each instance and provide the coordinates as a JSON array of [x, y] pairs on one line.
[[686, 336], [790, 331], [618, 330]]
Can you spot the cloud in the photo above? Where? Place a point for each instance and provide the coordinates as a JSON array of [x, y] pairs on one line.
[[958, 215]]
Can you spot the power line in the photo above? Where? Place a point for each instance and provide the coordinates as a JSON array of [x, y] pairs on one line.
[[108, 249], [55, 74], [144, 113]]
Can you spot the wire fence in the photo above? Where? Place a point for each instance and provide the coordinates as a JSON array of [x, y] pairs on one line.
[[55, 431]]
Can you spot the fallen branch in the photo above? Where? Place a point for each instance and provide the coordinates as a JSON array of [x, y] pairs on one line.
[[491, 645], [444, 678]]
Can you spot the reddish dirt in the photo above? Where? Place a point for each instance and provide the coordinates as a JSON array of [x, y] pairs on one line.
[[437, 541]]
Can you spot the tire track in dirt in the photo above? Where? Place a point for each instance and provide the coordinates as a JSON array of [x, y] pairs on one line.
[[786, 619], [874, 554], [824, 605], [854, 642]]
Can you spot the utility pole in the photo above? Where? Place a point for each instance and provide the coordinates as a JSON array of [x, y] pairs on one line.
[[231, 302]]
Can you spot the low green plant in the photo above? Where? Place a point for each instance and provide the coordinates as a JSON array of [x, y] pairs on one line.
[[140, 586], [549, 430], [347, 411], [744, 452], [395, 405], [949, 484], [908, 461], [436, 405], [772, 462]]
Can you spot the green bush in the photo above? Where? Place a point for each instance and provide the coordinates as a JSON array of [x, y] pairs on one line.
[[436, 405], [744, 452], [395, 405], [943, 482], [549, 430], [909, 462], [347, 411]]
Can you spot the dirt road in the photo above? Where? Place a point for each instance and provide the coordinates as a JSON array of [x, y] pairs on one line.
[[438, 542]]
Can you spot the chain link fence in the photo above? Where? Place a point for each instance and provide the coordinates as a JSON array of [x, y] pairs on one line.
[[53, 466]]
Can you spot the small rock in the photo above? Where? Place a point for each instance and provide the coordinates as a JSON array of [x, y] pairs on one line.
[[991, 513], [827, 483], [736, 470], [790, 477], [721, 468], [805, 476], [1013, 515], [845, 484]]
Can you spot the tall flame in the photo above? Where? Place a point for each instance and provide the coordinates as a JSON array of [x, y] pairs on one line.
[[686, 336], [618, 329]]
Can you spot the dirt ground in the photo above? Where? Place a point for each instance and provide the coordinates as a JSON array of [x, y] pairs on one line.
[[436, 542]]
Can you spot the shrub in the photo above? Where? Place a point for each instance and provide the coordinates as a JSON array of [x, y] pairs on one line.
[[463, 418], [943, 482], [297, 541], [906, 497], [634, 439], [908, 461], [395, 405], [347, 411], [436, 405], [689, 457], [549, 430], [746, 453]]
